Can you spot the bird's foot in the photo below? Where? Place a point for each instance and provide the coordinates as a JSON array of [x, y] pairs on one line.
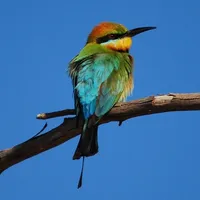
[[119, 104]]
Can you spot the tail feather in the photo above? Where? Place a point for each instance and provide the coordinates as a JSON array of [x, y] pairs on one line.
[[88, 142]]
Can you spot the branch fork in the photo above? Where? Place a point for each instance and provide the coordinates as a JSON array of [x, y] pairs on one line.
[[68, 130]]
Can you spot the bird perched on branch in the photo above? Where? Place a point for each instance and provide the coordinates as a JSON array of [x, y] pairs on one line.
[[102, 75]]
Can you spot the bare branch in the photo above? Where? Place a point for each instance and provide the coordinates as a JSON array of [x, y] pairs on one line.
[[68, 129], [60, 113]]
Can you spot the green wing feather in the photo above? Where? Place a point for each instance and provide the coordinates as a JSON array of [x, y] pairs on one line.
[[99, 78]]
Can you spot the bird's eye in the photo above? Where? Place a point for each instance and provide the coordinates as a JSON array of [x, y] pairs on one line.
[[111, 36]]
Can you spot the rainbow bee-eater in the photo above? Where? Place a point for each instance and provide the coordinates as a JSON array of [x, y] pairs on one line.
[[102, 75]]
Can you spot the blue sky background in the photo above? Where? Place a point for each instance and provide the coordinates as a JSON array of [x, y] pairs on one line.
[[153, 157]]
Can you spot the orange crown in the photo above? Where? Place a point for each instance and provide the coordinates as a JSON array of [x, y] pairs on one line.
[[105, 28]]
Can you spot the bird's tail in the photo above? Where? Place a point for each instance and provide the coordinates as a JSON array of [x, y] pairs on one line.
[[88, 142]]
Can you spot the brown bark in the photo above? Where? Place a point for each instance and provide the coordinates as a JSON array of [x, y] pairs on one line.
[[120, 113]]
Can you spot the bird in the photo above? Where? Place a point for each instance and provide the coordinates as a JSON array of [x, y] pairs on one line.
[[102, 76]]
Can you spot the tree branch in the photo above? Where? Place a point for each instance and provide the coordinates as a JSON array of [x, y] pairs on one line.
[[68, 129]]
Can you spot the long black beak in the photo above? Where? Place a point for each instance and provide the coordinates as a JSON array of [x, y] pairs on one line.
[[137, 31]]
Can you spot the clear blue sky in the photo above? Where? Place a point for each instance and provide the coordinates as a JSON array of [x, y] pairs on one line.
[[148, 158]]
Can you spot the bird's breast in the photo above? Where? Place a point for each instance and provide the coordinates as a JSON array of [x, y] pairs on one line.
[[129, 83], [127, 89]]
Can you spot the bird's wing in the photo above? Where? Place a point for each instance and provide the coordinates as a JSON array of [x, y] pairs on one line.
[[98, 80]]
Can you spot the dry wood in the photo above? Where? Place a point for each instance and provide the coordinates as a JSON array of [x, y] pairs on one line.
[[68, 130]]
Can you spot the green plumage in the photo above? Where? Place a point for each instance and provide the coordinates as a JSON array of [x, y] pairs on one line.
[[100, 77]]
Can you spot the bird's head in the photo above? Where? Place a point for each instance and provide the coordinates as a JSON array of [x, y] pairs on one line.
[[114, 36]]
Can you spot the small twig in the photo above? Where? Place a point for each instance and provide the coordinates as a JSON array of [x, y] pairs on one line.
[[43, 128], [120, 123], [60, 113]]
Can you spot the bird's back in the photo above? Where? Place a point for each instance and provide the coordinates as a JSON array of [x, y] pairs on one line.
[[101, 78]]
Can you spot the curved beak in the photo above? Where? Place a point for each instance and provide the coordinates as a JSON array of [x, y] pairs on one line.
[[137, 31]]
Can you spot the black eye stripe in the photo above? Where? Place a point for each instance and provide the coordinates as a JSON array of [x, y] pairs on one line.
[[108, 37]]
